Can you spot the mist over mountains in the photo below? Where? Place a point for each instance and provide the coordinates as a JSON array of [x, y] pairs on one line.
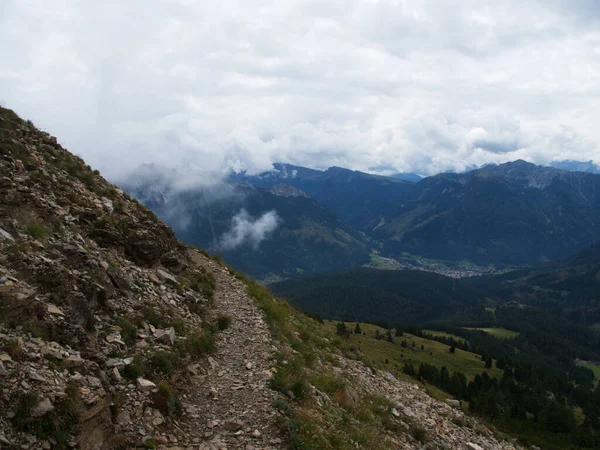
[[294, 220]]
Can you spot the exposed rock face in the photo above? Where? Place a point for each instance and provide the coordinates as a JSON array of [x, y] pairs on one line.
[[285, 190]]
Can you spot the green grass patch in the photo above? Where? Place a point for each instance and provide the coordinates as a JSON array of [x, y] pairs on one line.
[[500, 333], [36, 229]]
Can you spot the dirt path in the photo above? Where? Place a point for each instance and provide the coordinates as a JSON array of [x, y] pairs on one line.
[[228, 398]]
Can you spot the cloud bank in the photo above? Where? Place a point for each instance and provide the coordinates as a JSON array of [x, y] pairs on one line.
[[388, 85], [247, 230]]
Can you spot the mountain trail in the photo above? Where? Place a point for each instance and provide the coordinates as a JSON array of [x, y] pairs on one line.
[[228, 394]]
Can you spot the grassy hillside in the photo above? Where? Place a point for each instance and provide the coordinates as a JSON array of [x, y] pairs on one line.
[[376, 351]]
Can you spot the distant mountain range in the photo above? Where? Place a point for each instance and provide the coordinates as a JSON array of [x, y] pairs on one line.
[[300, 235], [577, 166], [513, 214]]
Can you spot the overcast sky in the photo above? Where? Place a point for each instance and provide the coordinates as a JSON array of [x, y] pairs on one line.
[[388, 86]]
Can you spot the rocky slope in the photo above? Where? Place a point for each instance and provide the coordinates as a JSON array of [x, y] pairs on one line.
[[115, 335]]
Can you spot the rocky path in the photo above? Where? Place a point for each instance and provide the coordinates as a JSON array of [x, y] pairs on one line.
[[228, 399]]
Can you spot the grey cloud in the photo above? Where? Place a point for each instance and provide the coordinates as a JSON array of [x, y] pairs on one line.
[[247, 230], [420, 86]]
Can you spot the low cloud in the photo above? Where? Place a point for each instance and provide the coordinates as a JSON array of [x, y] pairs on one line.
[[247, 230]]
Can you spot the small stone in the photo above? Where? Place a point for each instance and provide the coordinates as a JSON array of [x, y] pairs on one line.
[[43, 407], [108, 204], [145, 385], [53, 309], [46, 350], [256, 434], [232, 425], [165, 276], [113, 362], [453, 403], [116, 375], [472, 446], [166, 336], [249, 366], [214, 393], [37, 377], [37, 244], [395, 412], [123, 417], [5, 357], [5, 235]]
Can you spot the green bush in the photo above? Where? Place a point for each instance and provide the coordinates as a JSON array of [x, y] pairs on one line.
[[200, 344], [134, 370], [420, 434], [166, 400], [128, 331], [223, 322], [165, 362], [36, 230]]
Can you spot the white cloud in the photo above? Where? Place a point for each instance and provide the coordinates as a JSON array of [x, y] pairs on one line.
[[408, 85], [247, 230]]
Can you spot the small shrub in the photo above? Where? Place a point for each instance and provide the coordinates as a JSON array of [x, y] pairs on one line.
[[101, 222], [166, 400], [34, 328], [203, 282], [128, 331], [200, 344], [420, 434], [150, 444], [223, 322], [36, 230], [291, 378], [134, 370], [14, 349], [459, 421], [196, 308], [283, 406], [165, 362]]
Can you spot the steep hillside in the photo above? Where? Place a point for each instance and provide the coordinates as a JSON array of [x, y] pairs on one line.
[[306, 237], [113, 335], [106, 319]]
